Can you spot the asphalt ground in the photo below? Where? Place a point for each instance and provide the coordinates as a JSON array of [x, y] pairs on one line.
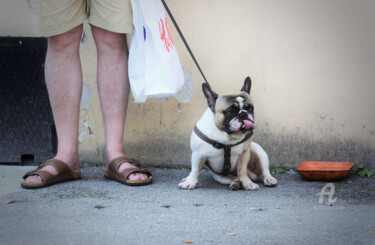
[[95, 210]]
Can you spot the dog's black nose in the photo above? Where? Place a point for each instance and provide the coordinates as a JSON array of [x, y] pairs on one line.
[[243, 115]]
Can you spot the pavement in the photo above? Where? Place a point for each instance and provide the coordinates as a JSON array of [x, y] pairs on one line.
[[94, 210]]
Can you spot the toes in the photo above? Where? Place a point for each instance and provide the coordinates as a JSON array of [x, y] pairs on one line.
[[34, 179], [186, 184], [235, 185], [252, 187], [181, 184], [138, 176], [133, 176], [247, 184], [270, 181]]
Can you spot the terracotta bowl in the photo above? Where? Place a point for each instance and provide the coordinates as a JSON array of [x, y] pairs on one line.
[[322, 171]]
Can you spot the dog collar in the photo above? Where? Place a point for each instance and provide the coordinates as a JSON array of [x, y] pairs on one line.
[[217, 145]]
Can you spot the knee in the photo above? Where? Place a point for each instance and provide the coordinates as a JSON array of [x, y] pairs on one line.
[[109, 42], [67, 42]]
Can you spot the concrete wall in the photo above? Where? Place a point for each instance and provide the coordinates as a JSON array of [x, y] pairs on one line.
[[311, 62]]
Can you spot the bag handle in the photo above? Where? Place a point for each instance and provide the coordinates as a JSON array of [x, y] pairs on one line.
[[184, 40]]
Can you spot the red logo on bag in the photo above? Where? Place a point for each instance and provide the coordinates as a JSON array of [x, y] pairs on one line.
[[165, 36]]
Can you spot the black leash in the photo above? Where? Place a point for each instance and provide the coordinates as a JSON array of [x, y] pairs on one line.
[[184, 40], [227, 148]]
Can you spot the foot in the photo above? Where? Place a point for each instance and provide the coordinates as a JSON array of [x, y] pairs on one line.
[[125, 165], [270, 181], [134, 176], [235, 185], [36, 179], [248, 184], [74, 165], [188, 183]]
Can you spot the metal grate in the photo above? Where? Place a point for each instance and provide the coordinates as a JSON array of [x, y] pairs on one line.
[[27, 131]]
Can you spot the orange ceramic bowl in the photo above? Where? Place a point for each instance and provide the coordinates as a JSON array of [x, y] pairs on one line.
[[324, 171]]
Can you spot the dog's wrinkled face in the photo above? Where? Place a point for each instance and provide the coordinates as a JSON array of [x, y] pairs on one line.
[[234, 113]]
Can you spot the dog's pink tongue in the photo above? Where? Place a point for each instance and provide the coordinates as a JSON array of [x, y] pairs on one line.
[[247, 124]]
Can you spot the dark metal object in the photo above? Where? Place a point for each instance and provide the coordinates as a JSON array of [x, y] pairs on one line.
[[27, 130]]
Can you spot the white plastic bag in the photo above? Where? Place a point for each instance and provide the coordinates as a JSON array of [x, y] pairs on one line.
[[154, 67]]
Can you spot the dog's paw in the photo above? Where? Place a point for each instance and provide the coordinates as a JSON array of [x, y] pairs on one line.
[[249, 185], [235, 185], [270, 181], [187, 183]]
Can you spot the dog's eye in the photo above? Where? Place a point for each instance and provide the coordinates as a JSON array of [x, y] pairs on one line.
[[231, 111], [248, 108]]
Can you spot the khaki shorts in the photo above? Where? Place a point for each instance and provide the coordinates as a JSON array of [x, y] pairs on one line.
[[53, 17]]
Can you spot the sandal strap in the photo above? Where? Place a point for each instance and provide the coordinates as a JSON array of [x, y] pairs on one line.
[[115, 164], [62, 171]]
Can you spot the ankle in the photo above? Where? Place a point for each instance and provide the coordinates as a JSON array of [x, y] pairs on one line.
[[112, 153], [72, 160]]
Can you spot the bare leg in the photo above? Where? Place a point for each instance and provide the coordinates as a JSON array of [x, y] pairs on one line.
[[113, 85], [63, 76]]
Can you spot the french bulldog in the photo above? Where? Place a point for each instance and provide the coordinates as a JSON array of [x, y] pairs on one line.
[[222, 140]]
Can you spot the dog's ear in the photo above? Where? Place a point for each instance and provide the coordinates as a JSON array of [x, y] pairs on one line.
[[211, 96], [247, 85]]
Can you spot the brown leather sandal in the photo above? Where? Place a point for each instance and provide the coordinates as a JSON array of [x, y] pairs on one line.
[[113, 174], [63, 174]]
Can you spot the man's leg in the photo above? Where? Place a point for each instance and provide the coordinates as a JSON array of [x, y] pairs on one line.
[[113, 85], [63, 76]]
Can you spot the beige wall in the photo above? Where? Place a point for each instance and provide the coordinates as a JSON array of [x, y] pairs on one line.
[[311, 62]]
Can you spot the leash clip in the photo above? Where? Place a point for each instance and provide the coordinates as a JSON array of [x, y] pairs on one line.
[[217, 145]]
